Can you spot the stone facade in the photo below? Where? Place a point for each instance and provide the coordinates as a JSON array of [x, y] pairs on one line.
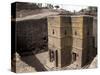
[[70, 40], [59, 49], [82, 28]]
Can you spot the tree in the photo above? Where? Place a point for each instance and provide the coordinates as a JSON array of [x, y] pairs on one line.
[[49, 6], [57, 6]]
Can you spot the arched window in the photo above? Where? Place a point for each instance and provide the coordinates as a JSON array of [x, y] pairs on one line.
[[75, 32], [88, 33], [53, 31], [65, 32]]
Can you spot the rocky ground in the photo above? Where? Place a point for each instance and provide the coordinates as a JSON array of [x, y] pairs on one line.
[[37, 63]]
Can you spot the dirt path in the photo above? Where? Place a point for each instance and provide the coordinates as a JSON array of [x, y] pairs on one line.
[[38, 16]]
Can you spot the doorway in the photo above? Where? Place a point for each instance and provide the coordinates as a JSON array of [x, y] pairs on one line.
[[73, 57], [56, 56]]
